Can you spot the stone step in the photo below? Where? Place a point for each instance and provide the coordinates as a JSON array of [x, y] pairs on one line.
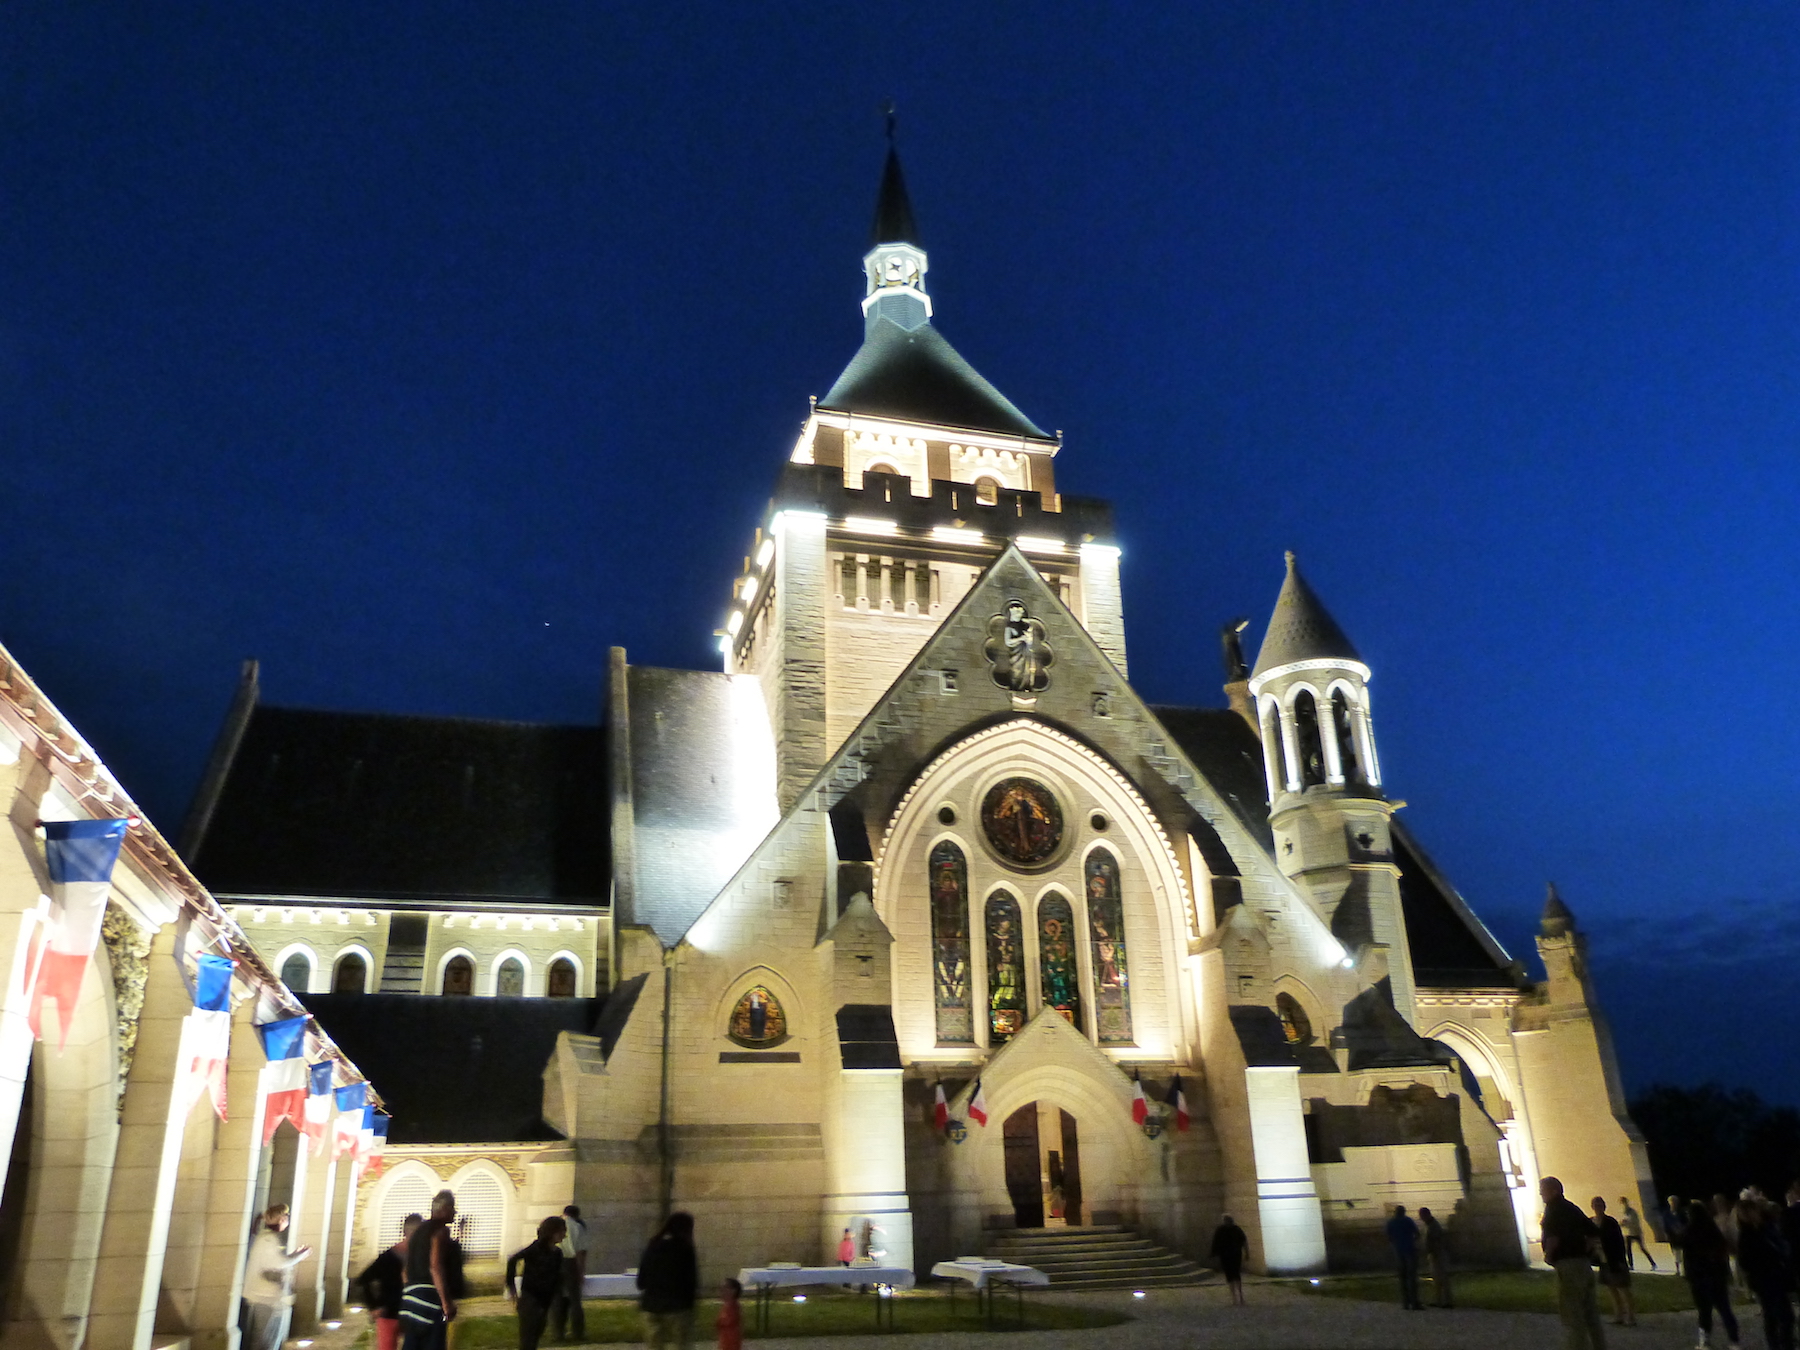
[[1110, 1257]]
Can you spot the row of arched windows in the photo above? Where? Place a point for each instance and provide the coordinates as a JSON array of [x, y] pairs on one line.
[[350, 975], [1303, 748], [1008, 946]]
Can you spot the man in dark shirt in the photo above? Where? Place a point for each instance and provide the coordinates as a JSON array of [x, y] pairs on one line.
[[1403, 1234], [1615, 1265], [1567, 1235], [534, 1278]]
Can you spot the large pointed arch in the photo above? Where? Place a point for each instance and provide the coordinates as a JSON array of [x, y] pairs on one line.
[[1157, 904]]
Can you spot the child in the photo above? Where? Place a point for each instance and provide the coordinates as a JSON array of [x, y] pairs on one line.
[[731, 1316], [846, 1249]]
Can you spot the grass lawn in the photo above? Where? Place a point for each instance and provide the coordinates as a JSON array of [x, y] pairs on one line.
[[1503, 1291], [820, 1315]]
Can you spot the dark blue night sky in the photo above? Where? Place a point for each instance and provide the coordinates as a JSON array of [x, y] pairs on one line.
[[425, 352]]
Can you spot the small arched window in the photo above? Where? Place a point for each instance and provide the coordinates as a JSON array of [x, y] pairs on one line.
[[1275, 738], [459, 975], [1059, 970], [949, 885], [509, 979], [1006, 968], [1307, 742], [561, 982], [296, 972], [1295, 1024], [1343, 725], [352, 975], [987, 491]]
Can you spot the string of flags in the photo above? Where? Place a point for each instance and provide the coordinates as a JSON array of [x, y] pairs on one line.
[[1140, 1104], [79, 856]]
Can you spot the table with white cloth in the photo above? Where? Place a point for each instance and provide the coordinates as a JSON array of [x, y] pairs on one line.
[[610, 1286], [986, 1276], [764, 1280]]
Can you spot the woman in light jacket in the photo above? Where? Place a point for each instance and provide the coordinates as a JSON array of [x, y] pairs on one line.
[[269, 1283]]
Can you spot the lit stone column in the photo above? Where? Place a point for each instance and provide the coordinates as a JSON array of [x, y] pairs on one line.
[[336, 1266], [1293, 1231], [799, 712], [237, 1154], [311, 1227], [865, 1162], [1102, 605], [128, 1274]]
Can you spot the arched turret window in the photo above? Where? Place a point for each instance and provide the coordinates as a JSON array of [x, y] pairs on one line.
[[1343, 726], [296, 972], [561, 980], [1106, 930], [509, 979], [352, 975], [1307, 742], [950, 944], [1006, 967], [459, 975], [1058, 968], [1274, 748]]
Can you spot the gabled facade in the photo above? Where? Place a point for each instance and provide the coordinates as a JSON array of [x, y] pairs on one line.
[[919, 833]]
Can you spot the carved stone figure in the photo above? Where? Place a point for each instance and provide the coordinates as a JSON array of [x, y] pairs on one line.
[[1017, 650]]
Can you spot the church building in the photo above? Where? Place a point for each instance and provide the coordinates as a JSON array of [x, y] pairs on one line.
[[918, 841]]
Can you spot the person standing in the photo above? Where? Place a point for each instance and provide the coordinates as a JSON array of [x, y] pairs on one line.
[[383, 1281], [730, 1325], [668, 1277], [1229, 1244], [1763, 1257], [534, 1279], [846, 1249], [1675, 1225], [269, 1282], [1568, 1237], [433, 1278], [1403, 1237], [1615, 1265], [1632, 1224], [1706, 1260], [1437, 1257], [567, 1312]]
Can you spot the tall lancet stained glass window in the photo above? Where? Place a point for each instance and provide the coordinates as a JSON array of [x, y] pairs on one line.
[[950, 944], [1058, 967], [1006, 968], [1106, 930]]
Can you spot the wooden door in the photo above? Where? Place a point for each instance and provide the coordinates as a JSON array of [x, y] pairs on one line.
[[1024, 1175], [1071, 1167]]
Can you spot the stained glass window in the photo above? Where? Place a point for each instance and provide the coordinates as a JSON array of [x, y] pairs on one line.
[[1106, 930], [758, 1021], [1058, 970], [1006, 968], [950, 944]]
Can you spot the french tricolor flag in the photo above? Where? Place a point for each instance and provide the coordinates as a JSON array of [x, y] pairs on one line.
[[284, 1076], [318, 1105], [940, 1110], [1178, 1096], [376, 1130], [1140, 1107], [351, 1102], [206, 1035], [79, 855], [978, 1106]]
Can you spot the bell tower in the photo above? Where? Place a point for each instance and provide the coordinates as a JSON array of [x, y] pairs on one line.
[[1327, 811]]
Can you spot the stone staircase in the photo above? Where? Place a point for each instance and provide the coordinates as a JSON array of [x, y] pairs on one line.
[[1104, 1256]]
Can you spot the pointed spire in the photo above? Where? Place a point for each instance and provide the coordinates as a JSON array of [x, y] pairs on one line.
[[1557, 919], [1301, 629], [894, 222]]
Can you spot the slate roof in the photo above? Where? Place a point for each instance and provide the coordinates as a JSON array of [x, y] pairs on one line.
[[1301, 629], [367, 805], [1229, 754], [919, 376], [702, 790], [455, 1070]]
